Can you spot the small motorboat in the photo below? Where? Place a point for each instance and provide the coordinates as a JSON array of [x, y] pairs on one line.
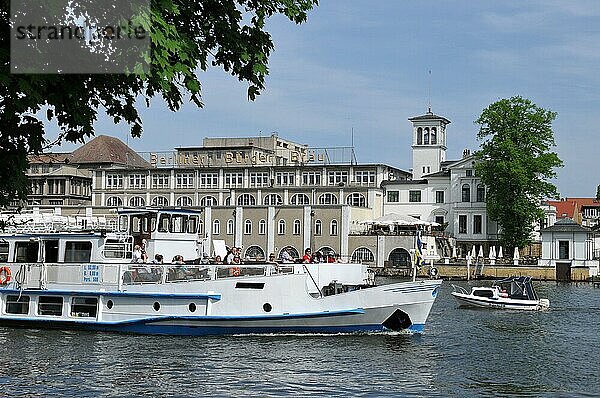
[[511, 293]]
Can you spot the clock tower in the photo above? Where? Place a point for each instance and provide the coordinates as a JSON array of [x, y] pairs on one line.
[[429, 143]]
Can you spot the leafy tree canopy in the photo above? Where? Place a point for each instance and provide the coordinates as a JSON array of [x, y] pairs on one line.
[[186, 36], [515, 163]]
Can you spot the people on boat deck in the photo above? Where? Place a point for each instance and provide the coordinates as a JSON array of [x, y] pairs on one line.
[[307, 258], [286, 257], [237, 255], [178, 259], [218, 260], [229, 256], [272, 258], [143, 250], [137, 255], [317, 258]]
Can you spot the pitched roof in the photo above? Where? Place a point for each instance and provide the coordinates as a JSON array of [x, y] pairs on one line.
[[584, 201], [566, 225], [564, 208], [105, 149], [429, 116]]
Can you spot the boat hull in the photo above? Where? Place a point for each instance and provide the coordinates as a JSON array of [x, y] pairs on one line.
[[395, 307]]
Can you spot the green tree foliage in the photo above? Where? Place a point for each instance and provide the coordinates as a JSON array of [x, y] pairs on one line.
[[515, 162], [187, 36], [598, 192]]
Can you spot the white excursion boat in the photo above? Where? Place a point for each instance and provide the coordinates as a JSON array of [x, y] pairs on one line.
[[515, 293], [85, 280]]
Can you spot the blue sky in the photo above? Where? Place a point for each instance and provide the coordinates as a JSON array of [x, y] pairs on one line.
[[364, 66]]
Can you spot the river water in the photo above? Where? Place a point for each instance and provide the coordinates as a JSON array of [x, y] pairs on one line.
[[463, 352]]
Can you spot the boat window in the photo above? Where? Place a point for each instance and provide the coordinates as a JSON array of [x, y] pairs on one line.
[[163, 223], [84, 307], [26, 252], [152, 223], [78, 252], [483, 293], [17, 305], [123, 223], [50, 305], [115, 250], [192, 226], [4, 251], [178, 223], [51, 251]]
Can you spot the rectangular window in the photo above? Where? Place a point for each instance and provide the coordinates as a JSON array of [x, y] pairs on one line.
[[3, 252], [114, 181], [393, 196], [311, 178], [78, 252], [364, 177], [84, 307], [208, 180], [26, 252], [184, 180], [477, 224], [469, 173], [50, 305], [234, 180], [160, 181], [439, 196], [337, 177], [17, 304], [414, 196], [439, 220], [462, 224], [285, 178], [259, 179], [137, 181], [563, 249]]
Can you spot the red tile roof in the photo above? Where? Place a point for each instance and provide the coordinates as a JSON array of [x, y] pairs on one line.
[[564, 208]]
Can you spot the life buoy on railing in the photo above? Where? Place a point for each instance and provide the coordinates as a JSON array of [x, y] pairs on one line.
[[433, 272], [237, 271], [4, 275]]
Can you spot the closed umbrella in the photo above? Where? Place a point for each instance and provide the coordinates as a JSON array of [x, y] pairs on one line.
[[500, 252], [516, 255], [474, 252], [492, 252], [480, 251], [454, 252]]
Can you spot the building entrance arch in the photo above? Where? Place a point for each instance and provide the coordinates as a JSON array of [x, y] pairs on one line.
[[400, 258]]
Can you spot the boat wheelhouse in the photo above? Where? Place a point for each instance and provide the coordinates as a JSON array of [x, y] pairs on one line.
[[86, 279]]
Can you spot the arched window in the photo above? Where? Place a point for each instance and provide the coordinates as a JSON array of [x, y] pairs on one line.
[[230, 227], [426, 136], [246, 200], [356, 200], [281, 227], [262, 227], [327, 251], [466, 193], [291, 250], [184, 201], [208, 201], [273, 199], [328, 199], [433, 136], [137, 201], [333, 228], [300, 199], [419, 136], [228, 201], [318, 227], [480, 193], [216, 227], [363, 255], [247, 227], [400, 257], [297, 227], [160, 201], [255, 253], [114, 201]]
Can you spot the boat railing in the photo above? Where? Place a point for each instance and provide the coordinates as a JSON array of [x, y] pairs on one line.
[[459, 289]]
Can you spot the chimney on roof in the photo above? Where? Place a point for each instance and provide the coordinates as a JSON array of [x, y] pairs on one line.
[[466, 153]]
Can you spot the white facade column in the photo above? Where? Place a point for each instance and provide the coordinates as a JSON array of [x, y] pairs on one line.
[[344, 231], [172, 188], [259, 199], [207, 239], [239, 225], [380, 250], [271, 230], [307, 227], [286, 195]]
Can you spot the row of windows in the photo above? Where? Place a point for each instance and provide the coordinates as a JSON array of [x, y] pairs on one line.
[[415, 196], [477, 224], [353, 199], [185, 180], [360, 255], [281, 227]]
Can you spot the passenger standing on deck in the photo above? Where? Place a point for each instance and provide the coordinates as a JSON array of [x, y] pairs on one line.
[[307, 258], [229, 256], [137, 254], [237, 257], [286, 257]]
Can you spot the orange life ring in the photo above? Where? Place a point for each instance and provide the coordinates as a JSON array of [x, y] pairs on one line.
[[4, 275], [237, 271]]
